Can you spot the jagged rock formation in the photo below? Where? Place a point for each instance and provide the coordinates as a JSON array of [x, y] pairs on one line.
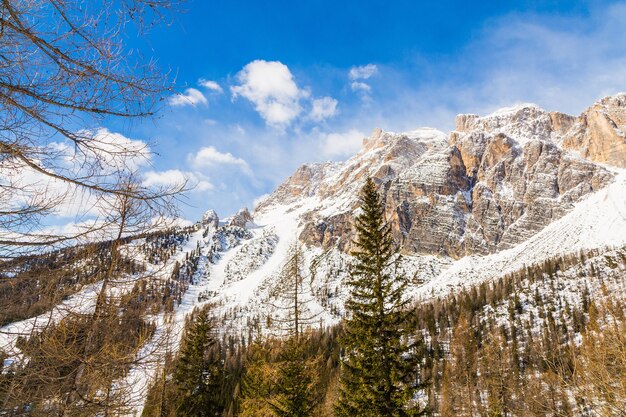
[[521, 178], [600, 132], [491, 184], [210, 218], [241, 219]]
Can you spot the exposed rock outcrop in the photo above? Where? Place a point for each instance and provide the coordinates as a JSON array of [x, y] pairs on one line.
[[211, 218], [242, 218], [599, 133], [491, 184]]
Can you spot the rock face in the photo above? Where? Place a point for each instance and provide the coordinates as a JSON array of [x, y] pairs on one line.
[[521, 179], [241, 219], [211, 218], [600, 132], [489, 185]]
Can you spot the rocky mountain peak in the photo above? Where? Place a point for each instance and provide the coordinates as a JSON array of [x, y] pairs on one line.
[[242, 218], [492, 183], [599, 133], [523, 122], [210, 218]]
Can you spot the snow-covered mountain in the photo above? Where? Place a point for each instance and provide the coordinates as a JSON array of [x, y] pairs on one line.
[[505, 190], [502, 191]]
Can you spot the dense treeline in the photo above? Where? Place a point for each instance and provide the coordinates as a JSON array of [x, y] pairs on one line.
[[478, 363], [76, 363], [30, 286], [522, 345], [246, 379]]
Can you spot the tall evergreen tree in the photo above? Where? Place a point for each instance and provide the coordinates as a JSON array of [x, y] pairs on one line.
[[378, 376], [296, 395], [199, 371]]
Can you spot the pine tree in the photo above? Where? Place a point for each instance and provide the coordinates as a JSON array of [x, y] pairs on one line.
[[199, 371], [379, 368], [257, 388], [296, 394]]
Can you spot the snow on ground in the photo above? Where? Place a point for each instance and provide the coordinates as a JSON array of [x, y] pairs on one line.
[[81, 302], [597, 221], [242, 291]]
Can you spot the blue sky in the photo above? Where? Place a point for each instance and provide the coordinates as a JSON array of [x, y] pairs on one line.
[[266, 86]]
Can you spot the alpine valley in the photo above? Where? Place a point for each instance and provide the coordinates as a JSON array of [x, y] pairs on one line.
[[521, 213]]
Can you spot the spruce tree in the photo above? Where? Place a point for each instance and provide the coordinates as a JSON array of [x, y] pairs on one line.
[[295, 392], [378, 375], [199, 371]]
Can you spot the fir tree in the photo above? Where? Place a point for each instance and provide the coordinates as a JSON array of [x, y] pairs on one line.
[[378, 376], [199, 371], [257, 386], [296, 395]]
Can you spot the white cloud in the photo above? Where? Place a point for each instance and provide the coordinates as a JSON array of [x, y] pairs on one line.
[[210, 85], [360, 86], [191, 97], [323, 108], [362, 72], [209, 157], [357, 74], [114, 150], [103, 158], [270, 86], [342, 144], [176, 178]]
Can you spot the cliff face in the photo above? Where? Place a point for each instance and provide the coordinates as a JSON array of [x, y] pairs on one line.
[[599, 133], [522, 179], [489, 185]]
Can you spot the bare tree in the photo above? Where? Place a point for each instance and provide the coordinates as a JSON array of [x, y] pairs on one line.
[[64, 70], [76, 364], [294, 314], [600, 367]]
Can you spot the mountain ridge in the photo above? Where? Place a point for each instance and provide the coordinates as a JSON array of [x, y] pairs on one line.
[[504, 191]]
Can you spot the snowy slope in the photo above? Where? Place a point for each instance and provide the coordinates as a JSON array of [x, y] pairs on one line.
[[238, 261], [596, 222]]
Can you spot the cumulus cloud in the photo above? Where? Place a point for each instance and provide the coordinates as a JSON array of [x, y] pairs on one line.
[[191, 97], [116, 151], [211, 157], [210, 85], [362, 72], [342, 144], [271, 87], [176, 178], [323, 108], [104, 157]]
